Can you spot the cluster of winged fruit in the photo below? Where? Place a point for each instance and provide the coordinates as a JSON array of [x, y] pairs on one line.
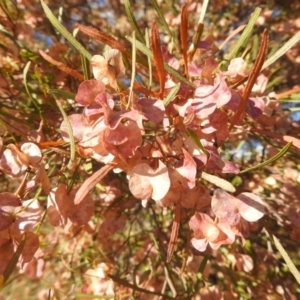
[[166, 148], [167, 142]]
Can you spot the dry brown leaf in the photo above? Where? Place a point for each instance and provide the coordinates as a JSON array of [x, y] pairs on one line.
[[62, 66], [261, 57], [184, 37], [91, 182], [158, 58], [103, 37], [174, 233]]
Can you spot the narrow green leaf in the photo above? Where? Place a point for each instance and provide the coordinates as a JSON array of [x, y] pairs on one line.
[[199, 276], [32, 99], [85, 67], [220, 182], [141, 47], [70, 132], [156, 246], [61, 93], [239, 146], [13, 261], [28, 55], [133, 57], [287, 259], [162, 18], [147, 38], [3, 125], [88, 166], [8, 10], [73, 178], [245, 35], [294, 109], [255, 47], [295, 96], [287, 46], [290, 100], [203, 11], [173, 72], [275, 82], [272, 159], [196, 140], [132, 21], [172, 94], [12, 38], [62, 30], [12, 117], [100, 187], [202, 267], [25, 71], [169, 69], [196, 39]]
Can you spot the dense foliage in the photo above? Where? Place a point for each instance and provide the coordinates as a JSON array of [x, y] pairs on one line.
[[149, 150]]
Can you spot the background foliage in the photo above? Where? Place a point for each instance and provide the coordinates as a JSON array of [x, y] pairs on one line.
[[121, 253]]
